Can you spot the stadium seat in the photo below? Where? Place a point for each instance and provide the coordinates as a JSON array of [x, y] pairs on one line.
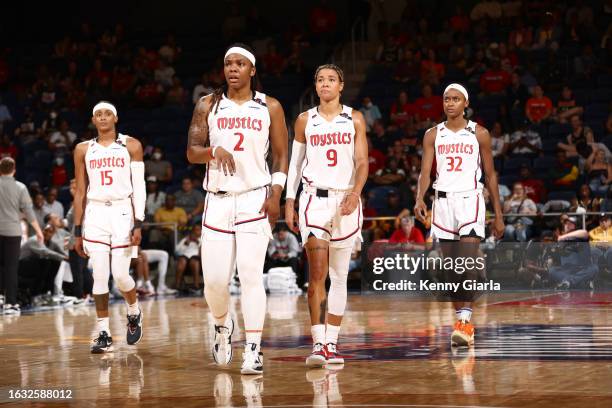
[[561, 195]]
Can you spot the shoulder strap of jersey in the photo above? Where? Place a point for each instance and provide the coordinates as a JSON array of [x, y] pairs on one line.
[[347, 112], [121, 139], [471, 127], [260, 98]]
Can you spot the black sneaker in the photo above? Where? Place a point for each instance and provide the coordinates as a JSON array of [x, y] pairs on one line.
[[103, 344], [134, 328]]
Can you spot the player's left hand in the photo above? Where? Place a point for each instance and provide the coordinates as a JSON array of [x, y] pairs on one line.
[[136, 236], [498, 227], [272, 207], [349, 203]]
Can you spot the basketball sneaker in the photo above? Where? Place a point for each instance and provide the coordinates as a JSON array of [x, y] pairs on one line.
[[8, 309], [134, 328], [103, 344], [222, 347], [331, 352], [463, 334], [252, 359], [318, 356], [164, 290]]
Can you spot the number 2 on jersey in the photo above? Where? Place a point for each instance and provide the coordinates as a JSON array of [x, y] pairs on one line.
[[332, 156], [451, 163], [238, 147], [107, 178]]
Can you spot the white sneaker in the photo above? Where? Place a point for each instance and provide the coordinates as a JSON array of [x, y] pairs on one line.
[[222, 347], [150, 288], [1, 300], [166, 291], [252, 359], [9, 309]]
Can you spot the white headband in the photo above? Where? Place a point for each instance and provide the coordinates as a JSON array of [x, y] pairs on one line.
[[104, 105], [459, 88], [241, 51]]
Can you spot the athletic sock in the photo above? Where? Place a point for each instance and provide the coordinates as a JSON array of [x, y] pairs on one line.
[[253, 337], [318, 333], [465, 314], [133, 308], [331, 334], [102, 325]]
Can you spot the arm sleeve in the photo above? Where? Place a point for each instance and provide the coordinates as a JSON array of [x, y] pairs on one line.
[[298, 151], [139, 197]]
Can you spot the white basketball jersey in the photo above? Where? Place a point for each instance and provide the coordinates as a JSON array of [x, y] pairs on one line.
[[330, 150], [244, 131], [457, 159], [108, 170]]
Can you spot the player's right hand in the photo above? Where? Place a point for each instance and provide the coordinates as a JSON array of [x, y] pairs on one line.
[[291, 216], [78, 247], [40, 237], [225, 161], [420, 209]]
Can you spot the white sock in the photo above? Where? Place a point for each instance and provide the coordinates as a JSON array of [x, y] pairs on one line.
[[133, 308], [331, 335], [139, 283], [465, 314], [253, 337], [102, 325], [318, 333]]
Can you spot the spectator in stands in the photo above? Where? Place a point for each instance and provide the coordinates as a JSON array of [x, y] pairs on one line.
[[5, 114], [431, 71], [389, 50], [534, 187], [169, 51], [601, 238], [202, 89], [585, 64], [428, 108], [149, 92], [38, 208], [579, 141], [155, 198], [539, 107], [169, 213], [7, 147], [188, 256], [599, 171], [401, 110], [164, 74], [177, 95], [323, 21], [495, 80], [59, 173], [190, 200], [51, 204], [123, 81], [521, 37], [391, 175], [498, 140], [273, 61], [564, 173], [460, 22], [519, 228], [284, 250], [566, 106], [380, 138], [407, 70], [161, 169], [585, 202], [407, 233], [370, 112], [61, 140], [524, 141], [548, 34], [376, 159], [98, 78], [486, 9]]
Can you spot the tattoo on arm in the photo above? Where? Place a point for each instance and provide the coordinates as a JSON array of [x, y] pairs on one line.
[[198, 129]]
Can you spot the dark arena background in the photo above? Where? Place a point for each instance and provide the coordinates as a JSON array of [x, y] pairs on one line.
[[539, 77]]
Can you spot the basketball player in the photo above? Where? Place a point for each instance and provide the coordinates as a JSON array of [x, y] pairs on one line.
[[459, 147], [332, 138], [231, 131], [109, 206]]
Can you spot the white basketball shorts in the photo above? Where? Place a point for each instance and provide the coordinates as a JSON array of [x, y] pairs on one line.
[[108, 225], [226, 214], [458, 214], [320, 216]]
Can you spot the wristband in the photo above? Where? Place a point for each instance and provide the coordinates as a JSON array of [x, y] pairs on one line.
[[78, 231], [212, 151], [137, 224], [279, 178]]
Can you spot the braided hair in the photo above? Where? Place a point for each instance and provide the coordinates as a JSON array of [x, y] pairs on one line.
[[332, 67], [218, 93]]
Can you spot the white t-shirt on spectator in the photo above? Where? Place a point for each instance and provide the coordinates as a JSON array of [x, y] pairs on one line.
[[187, 248]]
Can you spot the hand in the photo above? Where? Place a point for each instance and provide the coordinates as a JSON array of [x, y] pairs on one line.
[[136, 236], [349, 203], [420, 209], [40, 237], [272, 207], [498, 227], [290, 216], [225, 161], [78, 247]]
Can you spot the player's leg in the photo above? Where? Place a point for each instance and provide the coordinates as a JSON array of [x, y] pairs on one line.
[[181, 265], [317, 251], [339, 259], [218, 265], [100, 261], [251, 250], [121, 257], [195, 268]]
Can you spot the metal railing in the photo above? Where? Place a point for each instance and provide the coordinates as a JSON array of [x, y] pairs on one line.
[[173, 225]]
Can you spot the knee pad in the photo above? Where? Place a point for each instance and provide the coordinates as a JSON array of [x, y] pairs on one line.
[[120, 267], [100, 263]]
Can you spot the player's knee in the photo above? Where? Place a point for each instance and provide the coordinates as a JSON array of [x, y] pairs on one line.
[[215, 282]]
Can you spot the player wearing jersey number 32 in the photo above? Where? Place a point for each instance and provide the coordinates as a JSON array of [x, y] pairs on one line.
[[459, 147], [231, 132], [331, 137], [109, 205]]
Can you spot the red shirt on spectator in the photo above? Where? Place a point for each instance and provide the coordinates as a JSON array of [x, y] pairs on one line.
[[11, 151], [59, 176], [428, 65], [403, 112], [400, 237], [322, 20], [534, 189], [537, 107], [494, 81], [376, 159], [429, 107]]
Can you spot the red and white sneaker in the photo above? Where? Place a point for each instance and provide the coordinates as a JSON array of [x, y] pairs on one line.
[[318, 357], [333, 357]]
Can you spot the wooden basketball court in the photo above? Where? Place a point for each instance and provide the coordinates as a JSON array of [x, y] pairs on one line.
[[553, 350]]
